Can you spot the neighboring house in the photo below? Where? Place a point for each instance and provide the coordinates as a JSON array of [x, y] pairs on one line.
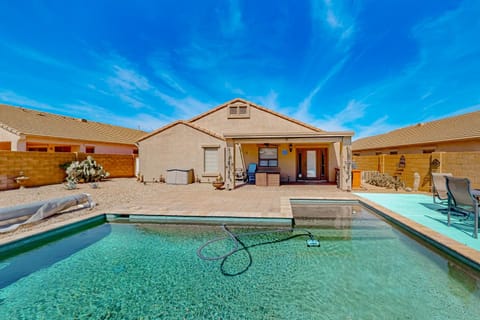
[[30, 130], [227, 138], [454, 134]]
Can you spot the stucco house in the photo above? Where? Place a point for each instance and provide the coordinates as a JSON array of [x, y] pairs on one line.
[[227, 138], [453, 134], [24, 129]]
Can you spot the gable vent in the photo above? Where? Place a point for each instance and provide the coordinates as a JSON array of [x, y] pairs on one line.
[[238, 111]]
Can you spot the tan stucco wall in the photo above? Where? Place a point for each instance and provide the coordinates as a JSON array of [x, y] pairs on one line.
[[178, 147], [12, 140], [79, 146], [259, 122]]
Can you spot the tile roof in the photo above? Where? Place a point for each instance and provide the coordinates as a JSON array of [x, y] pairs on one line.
[[173, 124], [21, 121], [224, 105], [462, 127]]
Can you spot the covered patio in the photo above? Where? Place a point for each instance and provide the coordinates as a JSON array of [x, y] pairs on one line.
[[322, 157]]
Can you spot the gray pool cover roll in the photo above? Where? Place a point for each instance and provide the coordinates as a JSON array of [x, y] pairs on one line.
[[43, 209]]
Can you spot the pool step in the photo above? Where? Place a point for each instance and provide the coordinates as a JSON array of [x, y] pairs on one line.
[[139, 218]]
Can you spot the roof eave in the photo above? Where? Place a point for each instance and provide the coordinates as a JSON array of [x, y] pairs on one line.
[[289, 135]]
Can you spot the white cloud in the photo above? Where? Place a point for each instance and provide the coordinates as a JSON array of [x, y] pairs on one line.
[[336, 17], [379, 126], [12, 98], [169, 79], [128, 79], [269, 101], [83, 107], [353, 111], [304, 107], [441, 77], [232, 23], [187, 106], [238, 91], [34, 55], [142, 121]]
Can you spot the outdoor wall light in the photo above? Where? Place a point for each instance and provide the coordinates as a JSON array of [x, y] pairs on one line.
[[290, 147]]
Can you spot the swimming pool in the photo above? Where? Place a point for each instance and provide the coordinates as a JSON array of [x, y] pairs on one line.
[[364, 269]]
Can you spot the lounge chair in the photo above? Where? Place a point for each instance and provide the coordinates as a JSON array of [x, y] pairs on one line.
[[439, 186], [462, 199]]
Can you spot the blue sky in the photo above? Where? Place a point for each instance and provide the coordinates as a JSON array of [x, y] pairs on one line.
[[364, 65]]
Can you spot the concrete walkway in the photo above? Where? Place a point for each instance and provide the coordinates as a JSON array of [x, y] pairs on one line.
[[247, 201]]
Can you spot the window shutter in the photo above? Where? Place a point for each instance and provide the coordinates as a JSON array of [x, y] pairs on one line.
[[211, 160]]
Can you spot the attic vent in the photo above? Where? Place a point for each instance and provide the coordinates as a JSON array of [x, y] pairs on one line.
[[242, 110], [238, 111], [83, 120]]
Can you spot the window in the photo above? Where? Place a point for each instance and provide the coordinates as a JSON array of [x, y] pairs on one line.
[[393, 152], [63, 149], [210, 160], [268, 157], [89, 149], [38, 149], [238, 111]]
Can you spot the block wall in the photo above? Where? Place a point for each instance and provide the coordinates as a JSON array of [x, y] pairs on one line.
[[43, 168], [460, 164]]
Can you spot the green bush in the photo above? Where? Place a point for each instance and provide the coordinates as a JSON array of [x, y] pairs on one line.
[[87, 170]]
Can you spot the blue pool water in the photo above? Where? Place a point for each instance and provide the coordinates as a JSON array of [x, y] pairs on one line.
[[364, 269]]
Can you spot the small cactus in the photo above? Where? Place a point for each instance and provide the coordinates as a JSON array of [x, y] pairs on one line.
[[87, 170]]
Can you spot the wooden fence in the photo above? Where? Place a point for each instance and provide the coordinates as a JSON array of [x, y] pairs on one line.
[[460, 164], [44, 168]]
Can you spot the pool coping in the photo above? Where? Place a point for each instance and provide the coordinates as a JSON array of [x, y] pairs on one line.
[[448, 245]]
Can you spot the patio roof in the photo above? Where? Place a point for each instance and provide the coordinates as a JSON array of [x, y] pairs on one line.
[[288, 137]]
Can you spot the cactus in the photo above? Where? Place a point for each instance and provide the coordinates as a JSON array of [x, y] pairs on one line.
[[87, 171]]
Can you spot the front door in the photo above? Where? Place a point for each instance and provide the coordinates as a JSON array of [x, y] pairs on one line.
[[312, 164]]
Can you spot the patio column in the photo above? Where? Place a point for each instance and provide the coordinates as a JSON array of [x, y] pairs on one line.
[[346, 162], [19, 144], [230, 165]]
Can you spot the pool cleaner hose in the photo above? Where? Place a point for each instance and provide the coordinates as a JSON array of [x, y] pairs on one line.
[[238, 245]]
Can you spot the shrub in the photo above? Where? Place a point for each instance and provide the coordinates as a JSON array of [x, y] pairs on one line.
[[87, 171]]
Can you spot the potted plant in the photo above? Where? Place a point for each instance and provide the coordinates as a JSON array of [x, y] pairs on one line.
[[218, 183]]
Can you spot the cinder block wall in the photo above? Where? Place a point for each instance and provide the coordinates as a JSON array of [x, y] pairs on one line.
[[43, 168], [460, 164], [367, 163], [464, 164], [118, 165]]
